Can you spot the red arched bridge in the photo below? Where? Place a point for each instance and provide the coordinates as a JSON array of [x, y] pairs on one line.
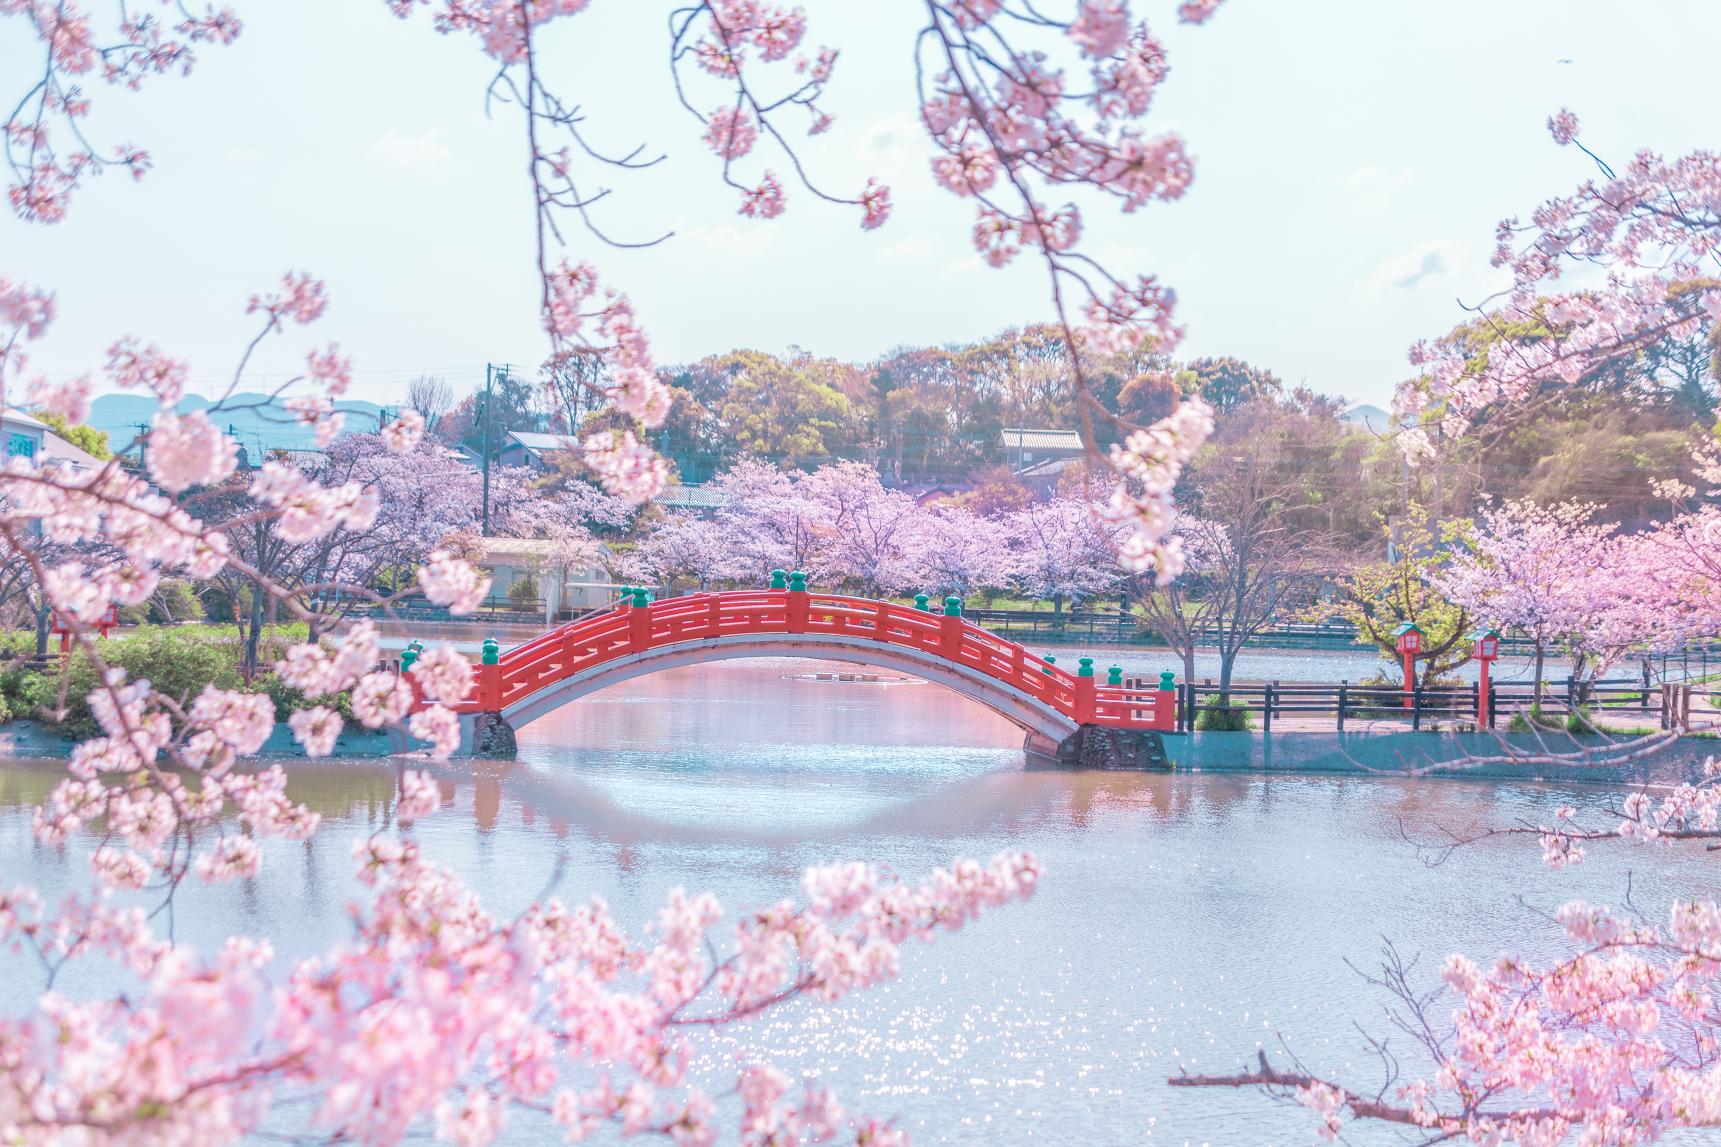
[[1056, 709]]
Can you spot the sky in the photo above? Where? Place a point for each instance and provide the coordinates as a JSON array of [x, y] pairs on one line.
[[1352, 158]]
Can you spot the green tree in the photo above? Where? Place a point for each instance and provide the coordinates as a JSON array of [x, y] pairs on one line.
[[86, 438], [1147, 398], [1379, 596], [1228, 383], [791, 412]]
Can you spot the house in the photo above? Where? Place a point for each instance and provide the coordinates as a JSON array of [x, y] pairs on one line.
[[930, 495], [23, 434], [700, 500], [28, 437], [1044, 477], [1024, 447], [563, 587], [524, 448]]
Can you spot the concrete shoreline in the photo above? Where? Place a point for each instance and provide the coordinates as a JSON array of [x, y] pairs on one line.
[[1444, 754], [1291, 753]]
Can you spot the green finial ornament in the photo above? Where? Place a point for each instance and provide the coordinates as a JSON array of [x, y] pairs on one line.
[[1114, 676], [1050, 661], [1087, 667], [492, 651], [626, 595], [779, 579], [408, 656], [641, 598], [952, 606], [1167, 681], [922, 603], [797, 582]]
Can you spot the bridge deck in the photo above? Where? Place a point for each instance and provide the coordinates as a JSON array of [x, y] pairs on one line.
[[628, 630]]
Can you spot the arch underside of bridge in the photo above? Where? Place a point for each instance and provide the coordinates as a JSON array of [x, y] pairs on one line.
[[1044, 728]]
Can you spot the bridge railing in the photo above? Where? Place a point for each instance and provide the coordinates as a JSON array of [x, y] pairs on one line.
[[630, 628]]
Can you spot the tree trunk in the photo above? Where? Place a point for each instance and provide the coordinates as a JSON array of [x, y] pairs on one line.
[[253, 639], [1541, 656], [42, 628]]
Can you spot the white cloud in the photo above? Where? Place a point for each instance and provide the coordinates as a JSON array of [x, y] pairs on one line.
[[910, 250], [1432, 260], [1371, 178], [410, 150], [728, 239]]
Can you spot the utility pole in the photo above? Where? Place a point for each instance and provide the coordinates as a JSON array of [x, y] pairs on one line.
[[491, 373], [484, 527]]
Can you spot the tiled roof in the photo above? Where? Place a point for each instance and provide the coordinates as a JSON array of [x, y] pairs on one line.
[[1026, 439], [694, 497], [539, 443]]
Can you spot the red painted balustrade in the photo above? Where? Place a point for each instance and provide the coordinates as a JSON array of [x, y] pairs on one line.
[[628, 629]]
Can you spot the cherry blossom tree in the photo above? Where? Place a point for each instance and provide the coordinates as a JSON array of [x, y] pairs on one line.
[[771, 523], [683, 545], [873, 528], [956, 551], [1644, 241], [1617, 1040], [1064, 551], [1544, 570]]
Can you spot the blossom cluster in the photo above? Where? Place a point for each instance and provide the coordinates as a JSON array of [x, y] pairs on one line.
[[44, 142], [1150, 461], [435, 1012], [1004, 118], [1653, 227]]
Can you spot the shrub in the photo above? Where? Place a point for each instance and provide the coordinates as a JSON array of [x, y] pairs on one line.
[[1537, 721], [178, 663], [524, 591], [1217, 717], [289, 700]]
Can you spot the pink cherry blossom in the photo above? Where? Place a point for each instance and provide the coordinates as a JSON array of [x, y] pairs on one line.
[[730, 132], [419, 797], [302, 299], [764, 201], [330, 370], [1197, 11], [316, 730], [188, 450], [402, 435], [380, 699], [450, 581], [440, 727], [627, 467], [1101, 27], [234, 857], [131, 364], [875, 204], [443, 674], [70, 400]]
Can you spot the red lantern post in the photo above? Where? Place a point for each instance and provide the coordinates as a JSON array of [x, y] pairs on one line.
[[1487, 650], [1409, 645]]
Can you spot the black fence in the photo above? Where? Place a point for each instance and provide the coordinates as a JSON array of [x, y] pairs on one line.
[[1574, 706], [1107, 626]]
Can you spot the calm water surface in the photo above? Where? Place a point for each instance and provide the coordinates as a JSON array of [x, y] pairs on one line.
[[1184, 920]]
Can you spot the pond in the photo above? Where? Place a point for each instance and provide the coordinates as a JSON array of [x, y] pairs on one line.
[[1184, 920]]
